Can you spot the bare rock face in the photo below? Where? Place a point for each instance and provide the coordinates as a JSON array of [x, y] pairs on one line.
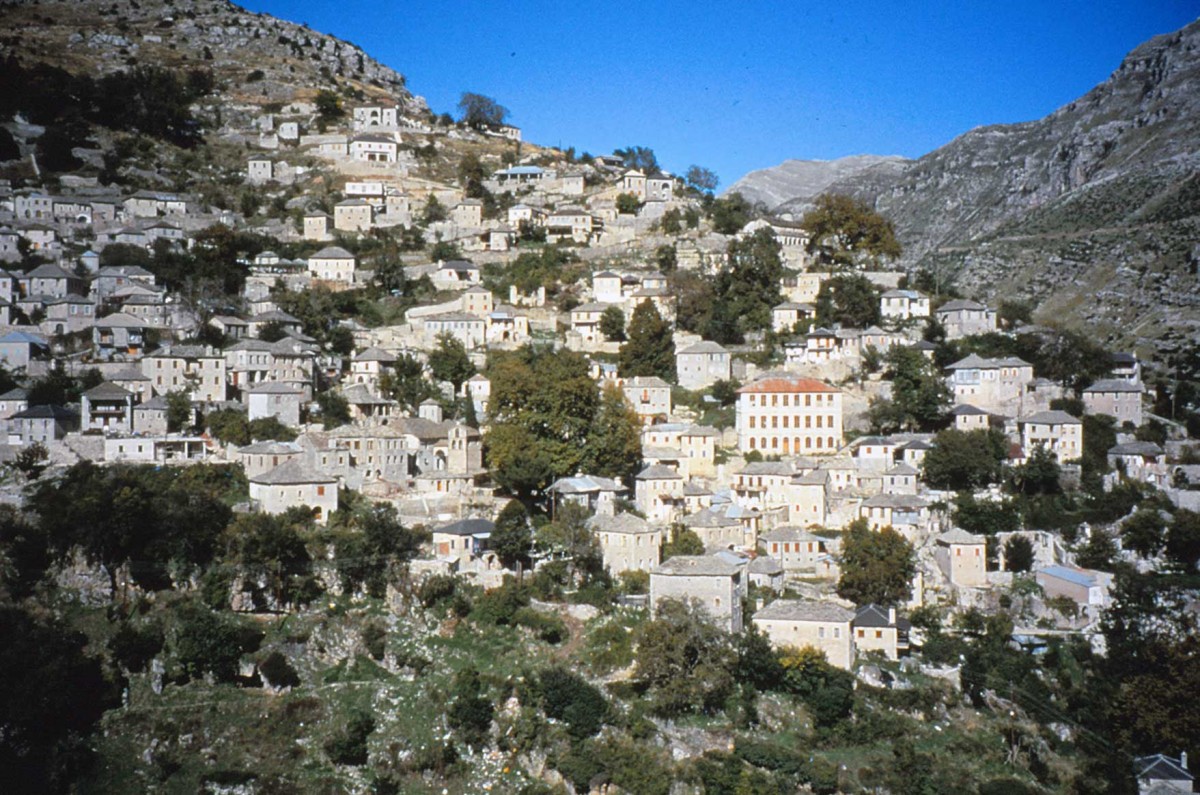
[[802, 180], [256, 58], [1090, 212]]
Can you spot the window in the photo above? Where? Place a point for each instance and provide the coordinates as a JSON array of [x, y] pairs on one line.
[[320, 491], [821, 632], [878, 633]]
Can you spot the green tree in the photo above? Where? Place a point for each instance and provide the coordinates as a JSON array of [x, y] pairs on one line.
[[229, 426], [1018, 554], [641, 158], [205, 642], [747, 287], [53, 696], [470, 713], [628, 204], [480, 112], [541, 411], [373, 548], [1038, 475], [512, 539], [614, 447], [1183, 540], [964, 459], [335, 409], [702, 179], [848, 299], [568, 697], [274, 549], [877, 566], [179, 410], [730, 213], [666, 258], [684, 660], [449, 361], [1098, 552], [329, 106], [844, 232], [406, 383], [920, 395], [650, 347], [612, 324], [1144, 532], [683, 541], [433, 211]]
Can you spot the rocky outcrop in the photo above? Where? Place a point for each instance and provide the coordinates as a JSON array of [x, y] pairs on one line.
[[801, 180], [1091, 212], [256, 58]]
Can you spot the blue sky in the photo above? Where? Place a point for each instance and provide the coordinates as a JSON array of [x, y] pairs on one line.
[[746, 85]]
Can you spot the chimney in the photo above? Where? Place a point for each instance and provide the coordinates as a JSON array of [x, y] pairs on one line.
[[1183, 759], [891, 616]]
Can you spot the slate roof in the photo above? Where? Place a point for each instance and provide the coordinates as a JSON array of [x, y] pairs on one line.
[[107, 391], [468, 527], [1113, 385], [873, 615], [621, 523], [696, 566], [804, 610], [291, 472], [1052, 418]]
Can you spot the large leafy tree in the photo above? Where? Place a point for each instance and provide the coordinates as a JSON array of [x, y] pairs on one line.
[[649, 349], [850, 300], [685, 660], [615, 446], [640, 157], [877, 566], [541, 409], [406, 383], [730, 213], [480, 112], [844, 232], [747, 287], [513, 538], [920, 395], [612, 324], [701, 178], [449, 361], [964, 459]]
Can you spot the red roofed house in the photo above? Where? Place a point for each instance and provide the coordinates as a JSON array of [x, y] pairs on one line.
[[789, 416]]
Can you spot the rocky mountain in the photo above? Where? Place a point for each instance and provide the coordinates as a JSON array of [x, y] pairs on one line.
[[257, 58], [805, 179], [1091, 212]]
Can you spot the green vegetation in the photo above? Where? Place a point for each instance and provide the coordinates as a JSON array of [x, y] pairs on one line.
[[649, 349], [877, 565], [846, 233]]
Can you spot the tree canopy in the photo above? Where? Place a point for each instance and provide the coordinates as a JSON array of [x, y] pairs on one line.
[[844, 232], [746, 288], [480, 112], [649, 348], [877, 565], [850, 300]]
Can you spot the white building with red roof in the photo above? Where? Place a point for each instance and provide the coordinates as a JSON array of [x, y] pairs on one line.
[[787, 415]]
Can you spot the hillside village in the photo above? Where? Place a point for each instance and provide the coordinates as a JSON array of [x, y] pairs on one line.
[[584, 375]]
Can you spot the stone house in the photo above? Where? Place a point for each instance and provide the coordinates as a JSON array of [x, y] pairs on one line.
[[593, 493], [962, 556], [879, 629], [107, 407], [333, 264], [963, 318], [364, 118], [1057, 431], [374, 148], [51, 281], [318, 226], [627, 542], [585, 321], [695, 445], [261, 457], [650, 397], [456, 273], [68, 314], [906, 513], [465, 539], [1087, 588], [715, 583], [571, 223], [996, 385], [467, 213], [903, 304], [797, 623], [41, 425], [785, 316], [798, 550], [19, 348], [353, 215], [119, 334], [470, 330], [659, 493], [260, 169], [200, 370], [607, 288], [717, 530], [292, 484], [273, 399], [702, 364], [12, 401], [1160, 774], [1117, 398], [368, 365], [789, 416]]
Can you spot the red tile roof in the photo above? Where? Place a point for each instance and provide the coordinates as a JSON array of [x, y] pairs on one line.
[[787, 385]]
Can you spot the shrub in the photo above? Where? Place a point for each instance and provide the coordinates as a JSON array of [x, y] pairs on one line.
[[278, 671], [568, 697], [349, 747], [548, 627]]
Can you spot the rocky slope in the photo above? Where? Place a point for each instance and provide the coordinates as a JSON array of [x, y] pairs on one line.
[[1092, 211], [258, 59], [805, 179]]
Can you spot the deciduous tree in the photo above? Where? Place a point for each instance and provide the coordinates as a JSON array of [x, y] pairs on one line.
[[877, 565], [844, 232]]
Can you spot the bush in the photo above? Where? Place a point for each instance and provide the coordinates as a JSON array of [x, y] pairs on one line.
[[349, 747], [133, 648], [436, 589], [549, 628], [572, 699], [278, 671]]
